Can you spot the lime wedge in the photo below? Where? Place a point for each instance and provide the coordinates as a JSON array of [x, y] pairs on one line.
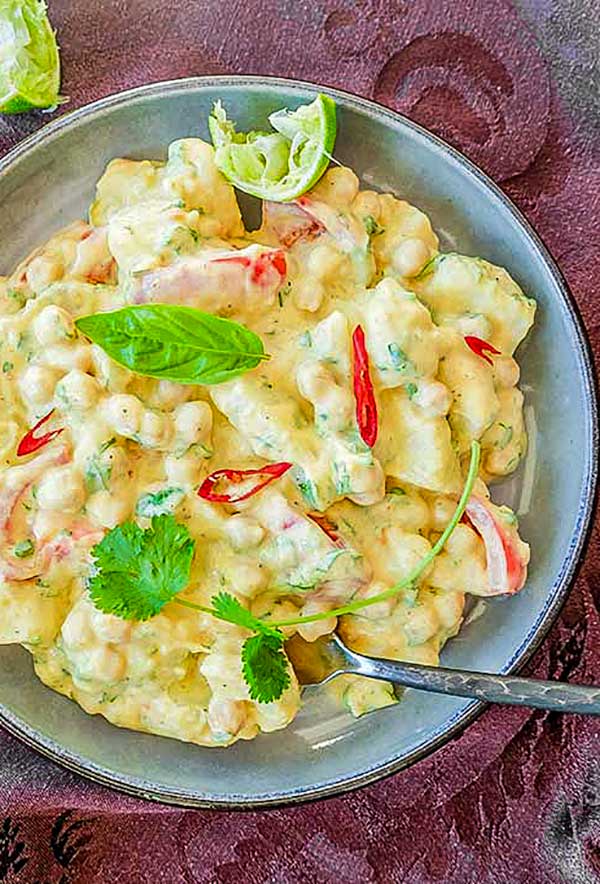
[[29, 63], [281, 165]]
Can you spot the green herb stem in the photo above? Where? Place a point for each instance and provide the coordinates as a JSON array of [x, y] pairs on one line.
[[414, 575], [419, 568], [195, 607]]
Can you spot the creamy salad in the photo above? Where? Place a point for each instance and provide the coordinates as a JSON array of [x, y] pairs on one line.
[[320, 476]]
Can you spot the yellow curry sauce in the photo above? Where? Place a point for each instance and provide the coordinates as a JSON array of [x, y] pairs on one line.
[[132, 446]]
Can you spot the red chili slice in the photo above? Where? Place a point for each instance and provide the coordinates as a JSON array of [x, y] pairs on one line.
[[364, 394], [327, 527], [481, 347], [265, 476], [30, 443]]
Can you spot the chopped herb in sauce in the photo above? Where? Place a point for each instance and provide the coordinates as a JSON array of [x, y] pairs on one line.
[[372, 227], [24, 549], [398, 358]]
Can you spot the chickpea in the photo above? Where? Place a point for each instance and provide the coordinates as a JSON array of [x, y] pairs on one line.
[[339, 186], [92, 256], [76, 632], [308, 294], [249, 578], [310, 632], [323, 261], [43, 270], [434, 398], [442, 509], [106, 664], [193, 423], [109, 628], [156, 430], [367, 482], [506, 371], [167, 394], [37, 384], [226, 716], [53, 325], [317, 384], [410, 256], [463, 542], [379, 610], [183, 470], [404, 551], [108, 510], [68, 356], [421, 624], [61, 488], [111, 375], [124, 413], [313, 379], [449, 608], [244, 532], [78, 390], [367, 203]]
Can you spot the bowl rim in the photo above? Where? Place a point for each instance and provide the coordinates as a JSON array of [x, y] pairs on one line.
[[585, 517]]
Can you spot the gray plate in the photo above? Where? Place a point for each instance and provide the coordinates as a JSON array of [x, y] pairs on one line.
[[48, 180]]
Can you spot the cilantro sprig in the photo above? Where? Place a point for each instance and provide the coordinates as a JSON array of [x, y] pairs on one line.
[[137, 572], [264, 664]]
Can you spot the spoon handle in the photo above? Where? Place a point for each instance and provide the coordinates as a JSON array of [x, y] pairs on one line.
[[508, 689]]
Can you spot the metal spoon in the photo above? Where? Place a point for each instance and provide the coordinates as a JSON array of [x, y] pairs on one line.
[[319, 662]]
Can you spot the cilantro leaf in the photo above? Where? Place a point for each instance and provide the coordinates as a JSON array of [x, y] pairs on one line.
[[226, 607], [138, 572], [265, 667]]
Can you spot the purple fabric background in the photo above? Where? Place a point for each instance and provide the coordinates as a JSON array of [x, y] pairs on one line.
[[517, 797]]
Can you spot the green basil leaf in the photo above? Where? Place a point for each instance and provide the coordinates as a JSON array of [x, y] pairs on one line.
[[175, 343]]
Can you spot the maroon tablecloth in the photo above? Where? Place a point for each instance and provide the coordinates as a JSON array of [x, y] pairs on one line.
[[517, 797]]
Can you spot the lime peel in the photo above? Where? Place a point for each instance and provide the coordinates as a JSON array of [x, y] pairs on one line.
[[282, 165], [29, 58]]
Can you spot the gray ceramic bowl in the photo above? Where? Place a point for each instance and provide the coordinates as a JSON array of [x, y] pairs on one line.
[[48, 180]]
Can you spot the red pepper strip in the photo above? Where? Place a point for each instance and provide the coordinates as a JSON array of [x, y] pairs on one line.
[[264, 262], [328, 527], [235, 477], [260, 265], [30, 443], [244, 260], [506, 568], [366, 405], [481, 348]]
